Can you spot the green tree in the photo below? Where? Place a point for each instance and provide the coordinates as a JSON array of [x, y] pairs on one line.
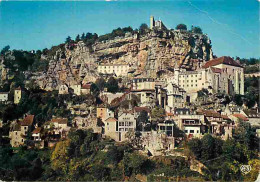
[[68, 39], [77, 38], [142, 121], [112, 85], [101, 83], [143, 29], [94, 89], [5, 49], [196, 29], [181, 27], [158, 114]]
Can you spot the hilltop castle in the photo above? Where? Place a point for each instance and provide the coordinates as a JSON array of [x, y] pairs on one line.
[[158, 23]]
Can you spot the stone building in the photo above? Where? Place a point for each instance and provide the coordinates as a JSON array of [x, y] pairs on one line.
[[145, 89], [176, 96], [156, 23], [116, 69], [17, 95], [219, 75], [20, 130]]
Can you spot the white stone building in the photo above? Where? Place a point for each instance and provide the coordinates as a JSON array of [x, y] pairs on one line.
[[220, 75], [117, 69]]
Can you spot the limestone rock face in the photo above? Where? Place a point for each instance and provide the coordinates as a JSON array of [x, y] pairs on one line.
[[146, 55]]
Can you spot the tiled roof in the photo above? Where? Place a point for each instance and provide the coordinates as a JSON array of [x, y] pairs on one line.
[[37, 130], [210, 113], [169, 114], [139, 109], [86, 86], [225, 117], [215, 70], [222, 60], [241, 116], [60, 120], [28, 120], [111, 119]]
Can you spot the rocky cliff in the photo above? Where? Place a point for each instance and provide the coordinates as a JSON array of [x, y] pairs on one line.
[[146, 55]]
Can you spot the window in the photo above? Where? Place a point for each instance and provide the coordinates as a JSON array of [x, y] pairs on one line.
[[186, 131], [191, 131]]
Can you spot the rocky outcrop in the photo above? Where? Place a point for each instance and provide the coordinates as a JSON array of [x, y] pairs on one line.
[[146, 55]]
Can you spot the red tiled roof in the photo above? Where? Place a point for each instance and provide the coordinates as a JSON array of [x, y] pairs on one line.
[[225, 117], [222, 60], [86, 86], [241, 116], [28, 120], [60, 120], [215, 70], [139, 109], [111, 120], [37, 130], [169, 114]]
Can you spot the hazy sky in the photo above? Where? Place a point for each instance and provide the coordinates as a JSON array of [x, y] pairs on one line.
[[232, 25]]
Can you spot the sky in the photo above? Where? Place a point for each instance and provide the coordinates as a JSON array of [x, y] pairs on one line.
[[232, 25]]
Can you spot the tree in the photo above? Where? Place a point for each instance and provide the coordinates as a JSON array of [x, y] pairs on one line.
[[60, 157], [5, 49], [100, 122], [94, 89], [195, 146], [181, 27], [83, 36], [101, 83], [77, 38], [112, 85], [196, 29], [143, 28], [68, 39], [158, 114], [142, 121]]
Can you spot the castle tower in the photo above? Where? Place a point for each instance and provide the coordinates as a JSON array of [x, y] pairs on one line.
[[242, 83], [151, 22], [236, 83]]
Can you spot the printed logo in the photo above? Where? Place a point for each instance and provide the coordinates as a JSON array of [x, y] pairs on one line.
[[245, 169]]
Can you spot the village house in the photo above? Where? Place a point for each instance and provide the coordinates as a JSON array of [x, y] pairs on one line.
[[144, 88], [238, 117], [126, 122], [63, 89], [76, 89], [85, 89], [19, 131], [193, 125], [57, 126], [36, 134], [111, 128], [253, 116], [176, 97], [4, 96], [103, 113]]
